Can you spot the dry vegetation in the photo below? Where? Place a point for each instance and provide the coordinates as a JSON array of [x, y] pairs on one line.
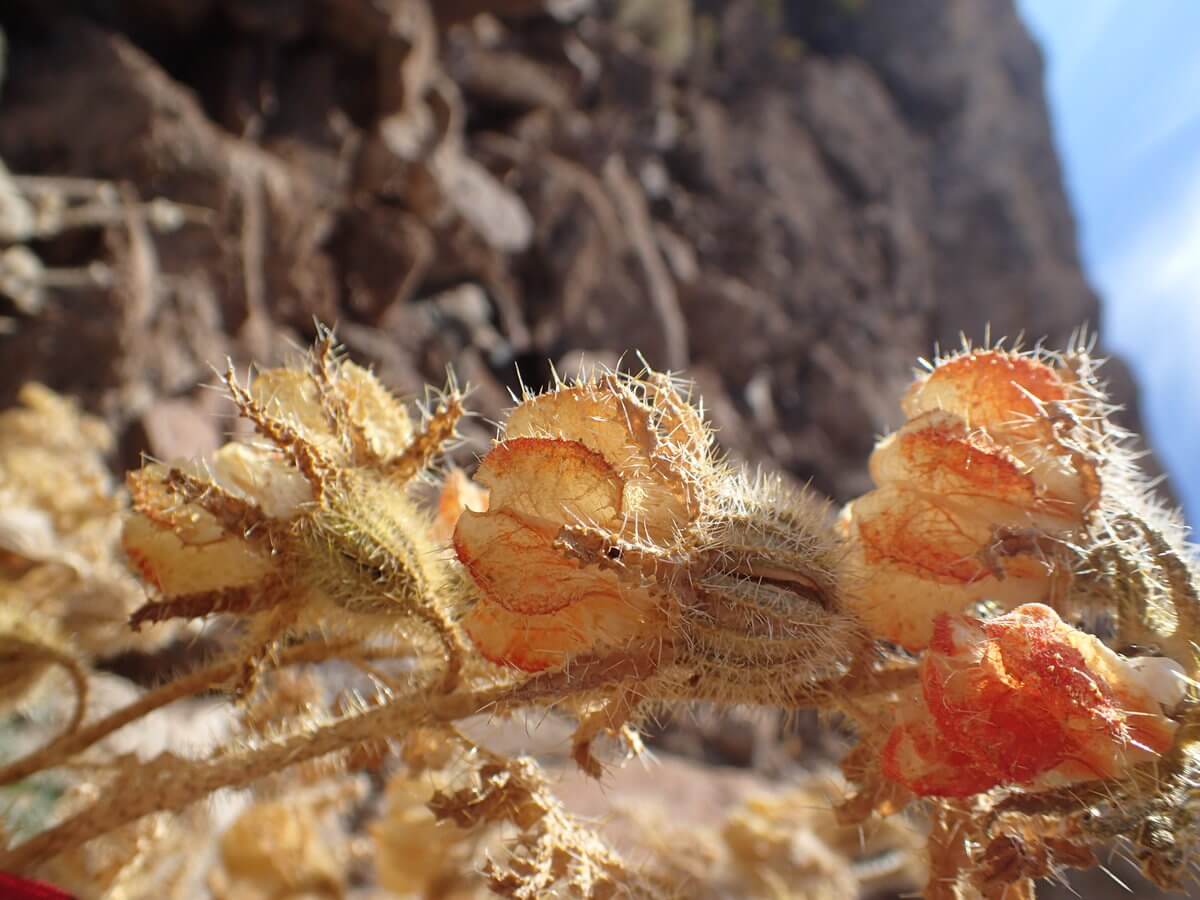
[[321, 660], [1006, 623]]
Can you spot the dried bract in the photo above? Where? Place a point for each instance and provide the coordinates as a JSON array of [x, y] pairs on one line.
[[613, 529], [1011, 484], [294, 535], [1025, 699], [976, 492], [552, 854]]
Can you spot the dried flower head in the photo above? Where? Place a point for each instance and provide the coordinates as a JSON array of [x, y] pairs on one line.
[[158, 856], [316, 524], [1025, 699], [774, 854], [414, 853], [989, 477], [613, 524]]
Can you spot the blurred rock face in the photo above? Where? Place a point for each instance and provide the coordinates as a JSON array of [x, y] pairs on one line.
[[792, 206]]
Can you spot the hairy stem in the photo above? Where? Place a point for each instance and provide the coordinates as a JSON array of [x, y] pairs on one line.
[[169, 784], [76, 740]]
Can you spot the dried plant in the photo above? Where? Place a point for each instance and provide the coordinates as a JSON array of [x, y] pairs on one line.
[[60, 525], [65, 592], [1044, 731], [1007, 621], [613, 528], [315, 532]]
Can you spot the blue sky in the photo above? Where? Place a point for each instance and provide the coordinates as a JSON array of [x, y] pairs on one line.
[[1123, 82]]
